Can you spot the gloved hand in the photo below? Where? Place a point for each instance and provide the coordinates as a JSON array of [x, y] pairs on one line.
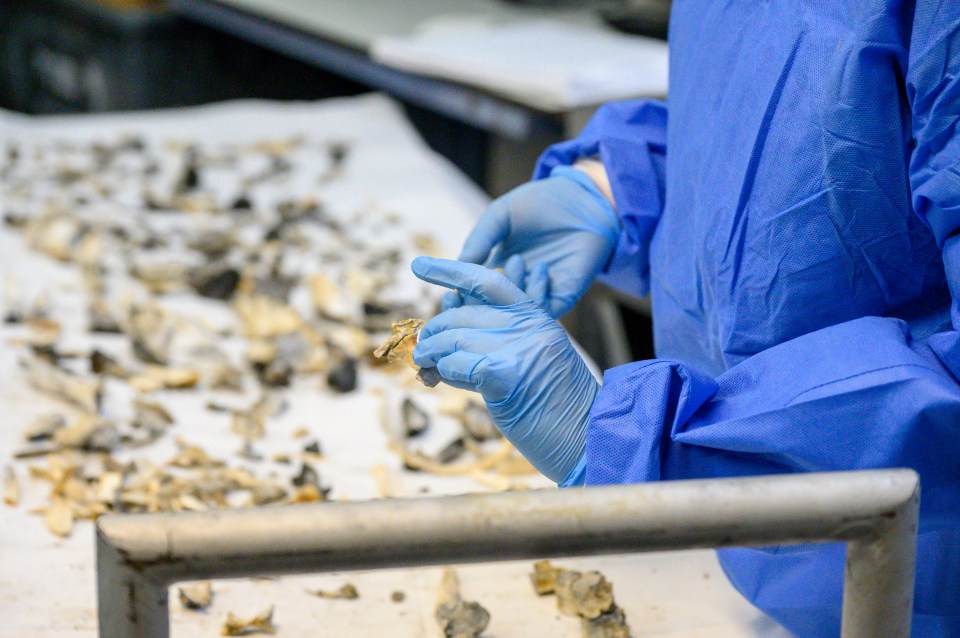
[[563, 221], [537, 387]]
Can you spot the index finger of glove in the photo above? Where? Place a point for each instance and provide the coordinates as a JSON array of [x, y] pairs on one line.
[[479, 282], [492, 228]]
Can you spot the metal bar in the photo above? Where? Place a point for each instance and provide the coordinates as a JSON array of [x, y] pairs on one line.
[[458, 101], [139, 556]]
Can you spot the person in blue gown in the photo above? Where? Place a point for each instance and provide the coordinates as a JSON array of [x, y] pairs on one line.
[[794, 213]]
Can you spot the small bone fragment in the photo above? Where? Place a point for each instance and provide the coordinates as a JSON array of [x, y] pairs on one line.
[[196, 596], [152, 331], [44, 332], [11, 488], [87, 433], [262, 623], [586, 594], [159, 377], [101, 318], [192, 456], [225, 377], [82, 392], [456, 617], [399, 347], [398, 596], [386, 482], [611, 624], [58, 517], [346, 592], [43, 427], [102, 363], [544, 577], [215, 280]]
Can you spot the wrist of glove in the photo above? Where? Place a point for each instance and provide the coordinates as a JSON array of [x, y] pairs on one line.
[[509, 349]]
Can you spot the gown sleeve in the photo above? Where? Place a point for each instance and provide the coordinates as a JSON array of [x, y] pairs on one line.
[[630, 139]]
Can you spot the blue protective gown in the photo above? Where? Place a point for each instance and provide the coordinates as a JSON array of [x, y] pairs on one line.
[[796, 225]]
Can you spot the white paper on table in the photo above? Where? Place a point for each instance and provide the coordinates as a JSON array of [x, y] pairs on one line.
[[555, 63]]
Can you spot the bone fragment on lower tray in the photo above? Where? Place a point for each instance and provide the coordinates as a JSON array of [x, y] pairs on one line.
[[82, 392], [458, 618], [196, 596], [262, 623], [588, 595], [346, 592], [399, 347]]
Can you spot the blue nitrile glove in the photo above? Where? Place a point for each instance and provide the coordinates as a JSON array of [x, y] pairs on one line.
[[563, 221], [537, 387]]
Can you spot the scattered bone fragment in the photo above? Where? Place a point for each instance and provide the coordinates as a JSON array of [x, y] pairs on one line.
[[347, 592], [387, 484], [156, 377], [196, 596], [152, 331], [224, 376], [55, 235], [265, 318], [83, 392], [192, 456], [399, 347], [610, 624], [58, 517], [87, 433], [458, 618], [101, 318], [44, 332], [214, 280], [262, 623], [588, 595], [11, 487], [102, 363], [398, 596], [313, 447], [544, 577], [43, 427]]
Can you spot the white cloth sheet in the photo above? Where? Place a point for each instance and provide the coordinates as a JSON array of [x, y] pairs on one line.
[[47, 585]]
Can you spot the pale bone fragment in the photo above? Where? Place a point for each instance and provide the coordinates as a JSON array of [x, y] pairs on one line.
[[331, 301], [154, 377], [224, 376], [611, 624], [196, 596], [152, 331], [101, 318], [43, 427], [44, 332], [399, 347], [458, 618], [472, 414], [192, 456], [55, 235], [307, 494], [346, 592], [58, 517], [108, 487], [87, 433], [544, 577], [82, 392], [418, 461], [262, 623], [265, 318], [13, 303], [586, 594], [351, 339], [387, 485], [160, 276], [11, 488], [102, 363]]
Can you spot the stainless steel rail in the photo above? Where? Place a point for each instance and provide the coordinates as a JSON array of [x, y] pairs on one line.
[[139, 556]]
